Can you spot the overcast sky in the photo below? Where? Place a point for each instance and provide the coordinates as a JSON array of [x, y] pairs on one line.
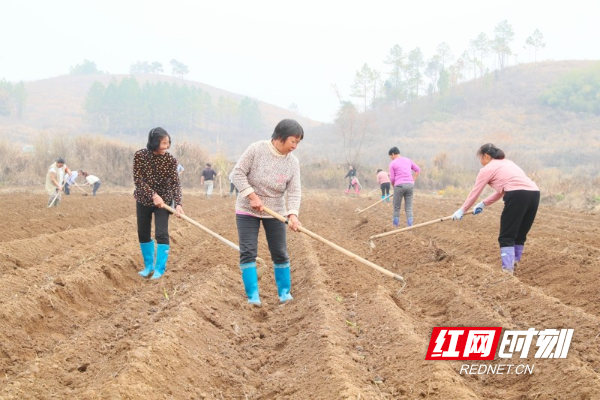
[[280, 52]]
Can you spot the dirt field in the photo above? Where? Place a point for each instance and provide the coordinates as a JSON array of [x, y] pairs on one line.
[[78, 322]]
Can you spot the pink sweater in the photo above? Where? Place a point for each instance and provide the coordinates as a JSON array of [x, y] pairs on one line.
[[383, 177], [401, 171], [502, 176]]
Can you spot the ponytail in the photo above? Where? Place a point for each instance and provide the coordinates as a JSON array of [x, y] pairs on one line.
[[492, 151]]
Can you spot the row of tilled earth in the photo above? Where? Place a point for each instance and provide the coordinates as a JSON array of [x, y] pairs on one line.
[[79, 322]]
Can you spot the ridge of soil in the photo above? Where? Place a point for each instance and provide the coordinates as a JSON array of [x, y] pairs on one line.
[[79, 322]]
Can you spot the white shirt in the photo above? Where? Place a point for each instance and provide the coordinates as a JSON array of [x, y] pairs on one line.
[[91, 179]]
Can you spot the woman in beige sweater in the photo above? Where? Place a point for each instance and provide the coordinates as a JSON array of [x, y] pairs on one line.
[[263, 174]]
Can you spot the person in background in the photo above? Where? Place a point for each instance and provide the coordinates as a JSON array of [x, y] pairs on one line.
[[403, 174], [350, 175], [357, 186], [383, 178], [232, 186], [156, 184], [263, 174], [70, 180], [55, 181], [91, 180], [207, 179], [521, 200]]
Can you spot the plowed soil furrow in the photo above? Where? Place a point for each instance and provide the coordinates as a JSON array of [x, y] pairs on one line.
[[79, 322]]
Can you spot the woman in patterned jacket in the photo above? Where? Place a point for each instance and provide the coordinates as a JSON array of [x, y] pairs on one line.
[[263, 174], [156, 184]]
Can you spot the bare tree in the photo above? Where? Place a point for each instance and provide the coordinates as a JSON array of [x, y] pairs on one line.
[[354, 128], [536, 41], [501, 43], [480, 47], [364, 82]]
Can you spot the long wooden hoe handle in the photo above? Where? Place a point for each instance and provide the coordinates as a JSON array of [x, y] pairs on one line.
[[216, 236], [374, 204], [55, 197], [433, 221], [338, 248], [79, 187], [205, 229]]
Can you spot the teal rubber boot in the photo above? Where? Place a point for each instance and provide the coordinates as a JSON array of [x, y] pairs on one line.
[[148, 254], [250, 278], [162, 255], [283, 280]]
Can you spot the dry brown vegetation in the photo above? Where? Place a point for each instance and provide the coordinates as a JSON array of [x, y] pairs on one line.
[[556, 148]]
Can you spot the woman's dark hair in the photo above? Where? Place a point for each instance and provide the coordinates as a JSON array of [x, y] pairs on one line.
[[379, 170], [155, 136], [394, 150], [287, 128], [491, 151]]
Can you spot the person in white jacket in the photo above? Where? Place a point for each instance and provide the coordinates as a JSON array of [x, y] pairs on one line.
[[55, 181]]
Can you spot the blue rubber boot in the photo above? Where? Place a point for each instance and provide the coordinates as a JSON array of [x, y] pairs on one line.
[[162, 255], [148, 254], [396, 221], [507, 254], [283, 280], [250, 278], [382, 197], [409, 221]]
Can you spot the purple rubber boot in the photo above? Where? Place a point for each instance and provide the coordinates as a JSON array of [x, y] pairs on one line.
[[518, 254], [507, 255]]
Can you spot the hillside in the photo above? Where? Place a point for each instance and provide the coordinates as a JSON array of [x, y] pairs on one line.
[[502, 107], [57, 104]]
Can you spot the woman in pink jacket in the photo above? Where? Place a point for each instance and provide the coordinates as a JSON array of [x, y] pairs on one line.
[[383, 178], [521, 199]]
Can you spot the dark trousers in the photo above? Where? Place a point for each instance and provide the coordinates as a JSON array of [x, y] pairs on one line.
[[66, 189], [96, 187], [385, 189], [520, 208], [275, 231], [144, 223]]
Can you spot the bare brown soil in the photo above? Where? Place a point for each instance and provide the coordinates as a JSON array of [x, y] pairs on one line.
[[77, 321]]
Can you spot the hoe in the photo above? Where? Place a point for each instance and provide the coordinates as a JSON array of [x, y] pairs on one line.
[[433, 221], [340, 249], [262, 265], [358, 210]]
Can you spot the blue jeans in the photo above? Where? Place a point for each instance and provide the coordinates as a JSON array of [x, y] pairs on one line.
[[96, 187], [275, 230]]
